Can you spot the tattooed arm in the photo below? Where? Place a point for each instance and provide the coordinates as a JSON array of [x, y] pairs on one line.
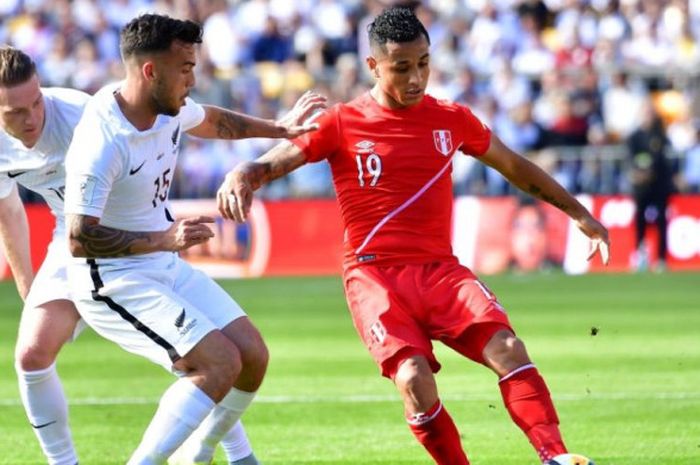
[[235, 195], [88, 238], [220, 123], [529, 178]]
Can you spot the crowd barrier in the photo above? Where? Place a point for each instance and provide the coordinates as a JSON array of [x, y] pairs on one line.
[[490, 235]]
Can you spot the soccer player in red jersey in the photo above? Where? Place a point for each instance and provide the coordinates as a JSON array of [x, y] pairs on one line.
[[390, 152]]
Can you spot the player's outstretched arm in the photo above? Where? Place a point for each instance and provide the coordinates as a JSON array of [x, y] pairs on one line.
[[531, 179], [14, 231], [235, 195], [88, 238], [220, 123]]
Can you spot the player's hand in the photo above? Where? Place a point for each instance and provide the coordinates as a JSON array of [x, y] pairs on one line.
[[234, 197], [187, 232], [600, 242], [295, 122]]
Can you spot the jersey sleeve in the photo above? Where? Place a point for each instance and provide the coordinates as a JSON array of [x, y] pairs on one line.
[[323, 142], [93, 163], [191, 114], [477, 136]]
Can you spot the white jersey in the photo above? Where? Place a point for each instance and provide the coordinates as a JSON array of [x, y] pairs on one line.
[[41, 167], [120, 174]]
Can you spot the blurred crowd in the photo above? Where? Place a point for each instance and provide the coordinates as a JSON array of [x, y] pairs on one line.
[[566, 82]]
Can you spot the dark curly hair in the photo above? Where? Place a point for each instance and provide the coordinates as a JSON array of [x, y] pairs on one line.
[[396, 24], [151, 33]]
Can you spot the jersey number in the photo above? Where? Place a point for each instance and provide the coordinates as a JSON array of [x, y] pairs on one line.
[[373, 164], [161, 188]]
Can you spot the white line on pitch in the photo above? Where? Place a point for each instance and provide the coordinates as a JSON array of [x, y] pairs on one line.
[[380, 398]]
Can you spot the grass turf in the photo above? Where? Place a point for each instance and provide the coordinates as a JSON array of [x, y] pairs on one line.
[[626, 396]]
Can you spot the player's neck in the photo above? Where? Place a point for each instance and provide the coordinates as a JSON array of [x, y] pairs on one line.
[[134, 107]]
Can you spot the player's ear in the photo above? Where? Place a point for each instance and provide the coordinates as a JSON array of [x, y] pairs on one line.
[[372, 65], [148, 70]]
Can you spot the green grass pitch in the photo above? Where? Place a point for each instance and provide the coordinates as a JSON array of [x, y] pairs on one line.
[[628, 396]]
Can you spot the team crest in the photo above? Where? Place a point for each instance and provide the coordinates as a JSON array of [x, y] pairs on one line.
[[443, 141]]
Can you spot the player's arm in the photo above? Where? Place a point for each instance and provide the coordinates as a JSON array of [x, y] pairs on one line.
[[529, 178], [220, 123], [14, 232], [88, 238], [235, 195]]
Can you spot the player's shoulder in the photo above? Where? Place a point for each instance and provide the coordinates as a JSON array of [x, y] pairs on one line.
[[443, 105], [101, 112], [65, 96], [360, 105]]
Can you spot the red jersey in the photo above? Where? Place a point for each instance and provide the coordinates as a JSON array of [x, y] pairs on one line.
[[392, 175]]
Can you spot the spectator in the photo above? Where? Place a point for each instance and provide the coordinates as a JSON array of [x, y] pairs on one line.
[[650, 177]]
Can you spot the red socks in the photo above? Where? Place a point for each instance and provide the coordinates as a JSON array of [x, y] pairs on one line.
[[436, 431], [527, 399]]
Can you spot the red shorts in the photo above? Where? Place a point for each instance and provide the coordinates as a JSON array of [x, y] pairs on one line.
[[399, 310]]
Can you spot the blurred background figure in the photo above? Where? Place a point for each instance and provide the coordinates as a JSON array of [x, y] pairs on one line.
[[651, 181]]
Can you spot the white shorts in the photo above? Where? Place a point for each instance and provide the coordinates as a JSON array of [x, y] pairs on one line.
[[51, 281], [157, 306]]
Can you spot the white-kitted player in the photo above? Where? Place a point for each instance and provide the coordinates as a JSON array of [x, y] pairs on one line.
[[36, 126], [129, 283]]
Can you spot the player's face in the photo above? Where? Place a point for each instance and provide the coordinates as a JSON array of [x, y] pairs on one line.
[[22, 111], [173, 78], [402, 71], [529, 239]]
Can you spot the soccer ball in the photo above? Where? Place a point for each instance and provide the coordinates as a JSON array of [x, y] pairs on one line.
[[570, 459]]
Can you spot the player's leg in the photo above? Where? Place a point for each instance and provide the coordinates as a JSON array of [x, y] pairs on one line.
[[210, 368], [43, 330], [427, 418], [381, 301], [221, 309], [525, 393], [138, 309], [484, 335], [237, 447]]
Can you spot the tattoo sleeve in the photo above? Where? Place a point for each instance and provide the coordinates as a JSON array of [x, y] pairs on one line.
[[90, 239], [230, 125]]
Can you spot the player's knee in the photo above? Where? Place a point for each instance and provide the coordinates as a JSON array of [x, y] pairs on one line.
[[256, 363], [413, 376], [34, 357], [219, 361], [505, 352], [256, 356]]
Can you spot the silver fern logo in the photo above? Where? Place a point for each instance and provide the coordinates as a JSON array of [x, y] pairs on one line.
[[180, 320]]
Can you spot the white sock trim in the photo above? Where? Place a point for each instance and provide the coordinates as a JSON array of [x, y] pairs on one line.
[[33, 376], [421, 418], [237, 400], [516, 371]]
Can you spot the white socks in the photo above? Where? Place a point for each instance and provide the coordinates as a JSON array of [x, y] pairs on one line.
[[47, 410], [235, 443], [201, 445], [182, 408]]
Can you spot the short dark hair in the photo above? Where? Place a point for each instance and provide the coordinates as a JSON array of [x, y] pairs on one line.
[[16, 67], [151, 33], [396, 24]]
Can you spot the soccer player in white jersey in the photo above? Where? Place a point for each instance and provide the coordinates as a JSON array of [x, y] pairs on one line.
[[36, 126], [129, 283]]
